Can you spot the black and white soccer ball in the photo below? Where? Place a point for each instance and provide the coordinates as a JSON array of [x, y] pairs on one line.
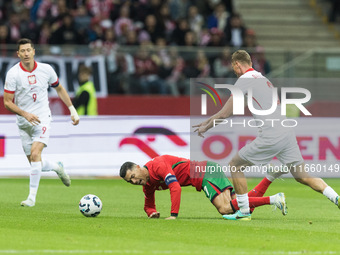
[[90, 205]]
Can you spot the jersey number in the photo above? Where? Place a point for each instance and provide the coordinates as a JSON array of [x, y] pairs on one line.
[[34, 96], [44, 130]]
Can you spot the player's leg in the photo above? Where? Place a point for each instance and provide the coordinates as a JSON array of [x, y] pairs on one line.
[[236, 165], [279, 200], [42, 134], [260, 189], [291, 156], [217, 188], [300, 174], [35, 173]]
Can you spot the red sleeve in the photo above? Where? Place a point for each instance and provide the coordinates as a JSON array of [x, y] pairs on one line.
[[165, 172], [175, 194], [149, 204]]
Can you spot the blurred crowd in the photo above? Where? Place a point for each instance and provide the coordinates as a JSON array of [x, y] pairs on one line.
[[154, 27]]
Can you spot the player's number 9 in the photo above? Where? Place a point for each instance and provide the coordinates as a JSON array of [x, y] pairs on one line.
[[34, 96]]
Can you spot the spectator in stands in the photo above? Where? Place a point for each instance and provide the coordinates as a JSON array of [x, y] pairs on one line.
[[204, 37], [195, 19], [250, 40], [67, 33], [178, 34], [153, 28], [219, 18], [28, 28], [176, 80], [259, 61], [123, 23], [190, 39], [95, 31], [85, 101], [146, 74], [100, 8], [131, 38], [82, 19], [4, 39], [222, 65], [14, 28], [17, 6], [168, 24], [216, 38], [44, 33], [179, 9], [235, 31], [202, 64]]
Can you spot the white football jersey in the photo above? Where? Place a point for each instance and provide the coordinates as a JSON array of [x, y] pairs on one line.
[[30, 88], [262, 99]]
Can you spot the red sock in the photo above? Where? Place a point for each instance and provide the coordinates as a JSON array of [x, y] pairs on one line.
[[260, 188], [253, 202]]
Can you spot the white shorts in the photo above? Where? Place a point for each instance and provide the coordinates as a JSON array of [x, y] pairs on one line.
[[262, 150], [39, 133]]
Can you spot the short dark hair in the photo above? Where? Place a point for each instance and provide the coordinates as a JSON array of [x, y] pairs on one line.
[[126, 167], [23, 41]]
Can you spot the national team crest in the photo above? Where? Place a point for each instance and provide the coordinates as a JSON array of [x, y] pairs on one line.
[[32, 80]]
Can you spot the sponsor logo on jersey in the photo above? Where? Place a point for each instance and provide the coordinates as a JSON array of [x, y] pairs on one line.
[[32, 80]]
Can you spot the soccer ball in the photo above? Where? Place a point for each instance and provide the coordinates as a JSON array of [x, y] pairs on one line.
[[90, 205]]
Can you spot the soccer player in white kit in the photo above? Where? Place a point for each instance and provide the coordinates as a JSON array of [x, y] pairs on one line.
[[27, 82], [272, 140]]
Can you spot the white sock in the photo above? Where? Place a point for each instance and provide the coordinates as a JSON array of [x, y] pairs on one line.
[[243, 203], [272, 199], [34, 179], [49, 165], [330, 194]]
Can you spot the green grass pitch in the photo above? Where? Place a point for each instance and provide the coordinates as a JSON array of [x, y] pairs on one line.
[[55, 225]]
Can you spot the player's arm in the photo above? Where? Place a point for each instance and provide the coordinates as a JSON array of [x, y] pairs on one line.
[[149, 203], [175, 194], [9, 105], [63, 95], [225, 112]]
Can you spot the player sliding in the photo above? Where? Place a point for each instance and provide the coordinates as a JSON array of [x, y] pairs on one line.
[[28, 82], [272, 141], [170, 172]]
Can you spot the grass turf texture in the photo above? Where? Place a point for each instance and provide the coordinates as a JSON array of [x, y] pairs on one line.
[[55, 225]]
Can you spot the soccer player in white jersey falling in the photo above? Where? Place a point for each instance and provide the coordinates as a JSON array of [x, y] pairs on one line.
[[272, 140], [28, 82]]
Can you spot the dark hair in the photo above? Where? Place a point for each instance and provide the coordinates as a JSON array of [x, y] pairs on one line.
[[126, 167], [24, 41]]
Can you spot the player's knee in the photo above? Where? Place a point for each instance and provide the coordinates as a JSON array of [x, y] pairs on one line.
[[35, 156]]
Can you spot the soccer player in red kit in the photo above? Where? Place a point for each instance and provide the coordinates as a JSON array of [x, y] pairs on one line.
[[171, 172]]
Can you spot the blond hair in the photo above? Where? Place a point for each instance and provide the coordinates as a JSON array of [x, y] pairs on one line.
[[241, 56]]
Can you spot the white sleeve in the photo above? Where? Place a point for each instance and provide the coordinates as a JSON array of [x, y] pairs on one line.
[[54, 80], [10, 83]]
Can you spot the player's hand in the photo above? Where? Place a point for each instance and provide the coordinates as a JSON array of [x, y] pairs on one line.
[[200, 131], [154, 215], [32, 118], [75, 120], [74, 115], [171, 218]]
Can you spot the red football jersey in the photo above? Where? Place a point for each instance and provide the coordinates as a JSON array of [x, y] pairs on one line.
[[170, 172]]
